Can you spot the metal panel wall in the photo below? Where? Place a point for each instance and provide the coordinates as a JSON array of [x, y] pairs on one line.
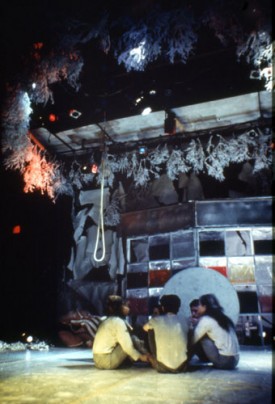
[[243, 212]]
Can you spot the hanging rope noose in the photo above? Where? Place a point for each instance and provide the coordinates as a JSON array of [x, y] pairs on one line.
[[100, 227]]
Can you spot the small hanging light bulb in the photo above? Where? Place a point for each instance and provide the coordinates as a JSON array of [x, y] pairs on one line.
[[94, 169]]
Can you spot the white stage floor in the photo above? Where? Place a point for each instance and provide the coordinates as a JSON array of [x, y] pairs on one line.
[[65, 375]]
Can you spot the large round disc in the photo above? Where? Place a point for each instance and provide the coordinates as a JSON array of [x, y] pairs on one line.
[[191, 283]]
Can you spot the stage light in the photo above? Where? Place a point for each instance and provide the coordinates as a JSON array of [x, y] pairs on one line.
[[94, 169], [89, 168], [26, 337], [16, 229], [142, 150], [146, 111], [84, 168], [53, 118], [33, 86], [138, 100], [74, 113]]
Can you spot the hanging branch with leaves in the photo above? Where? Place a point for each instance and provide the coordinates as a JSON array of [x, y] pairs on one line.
[[169, 34]]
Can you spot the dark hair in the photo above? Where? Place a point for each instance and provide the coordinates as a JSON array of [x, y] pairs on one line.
[[113, 305], [194, 302], [170, 303], [215, 310], [158, 307]]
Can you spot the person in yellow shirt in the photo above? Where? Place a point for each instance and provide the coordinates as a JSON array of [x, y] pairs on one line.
[[113, 345], [167, 336]]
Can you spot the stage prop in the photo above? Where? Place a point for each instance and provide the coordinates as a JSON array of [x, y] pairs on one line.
[[191, 283]]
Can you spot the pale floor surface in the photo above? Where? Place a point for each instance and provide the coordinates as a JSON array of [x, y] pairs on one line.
[[68, 376]]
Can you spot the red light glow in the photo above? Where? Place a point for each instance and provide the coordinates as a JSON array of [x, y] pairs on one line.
[[16, 229], [52, 118], [38, 45], [94, 169]]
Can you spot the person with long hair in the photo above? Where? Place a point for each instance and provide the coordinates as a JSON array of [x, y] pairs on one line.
[[192, 322], [215, 333]]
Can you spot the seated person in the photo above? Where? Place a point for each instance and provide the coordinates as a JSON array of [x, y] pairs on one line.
[[215, 334], [167, 337], [192, 322], [156, 310], [113, 345], [78, 328], [194, 318]]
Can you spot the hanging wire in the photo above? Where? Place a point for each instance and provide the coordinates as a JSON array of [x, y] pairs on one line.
[[100, 227]]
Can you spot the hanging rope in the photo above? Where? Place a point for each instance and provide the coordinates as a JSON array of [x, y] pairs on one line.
[[100, 227]]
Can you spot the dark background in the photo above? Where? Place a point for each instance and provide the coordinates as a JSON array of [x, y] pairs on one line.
[[33, 262]]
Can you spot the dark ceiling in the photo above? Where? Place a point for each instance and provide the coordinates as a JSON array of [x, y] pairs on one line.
[[107, 90]]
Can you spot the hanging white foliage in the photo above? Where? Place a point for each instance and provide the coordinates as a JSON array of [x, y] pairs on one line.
[[214, 169], [218, 153], [55, 68], [77, 178], [255, 48], [239, 148], [112, 212], [195, 155], [133, 164], [119, 163], [215, 156], [220, 150], [154, 170], [235, 150], [159, 156], [258, 51], [141, 174], [107, 169], [176, 164], [170, 33], [136, 56], [262, 154], [262, 160], [218, 157], [61, 184], [18, 158], [16, 119]]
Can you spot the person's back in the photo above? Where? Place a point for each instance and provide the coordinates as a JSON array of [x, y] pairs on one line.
[[171, 340], [168, 342], [112, 331]]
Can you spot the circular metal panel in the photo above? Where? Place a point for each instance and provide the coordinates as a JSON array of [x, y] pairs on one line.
[[191, 283]]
